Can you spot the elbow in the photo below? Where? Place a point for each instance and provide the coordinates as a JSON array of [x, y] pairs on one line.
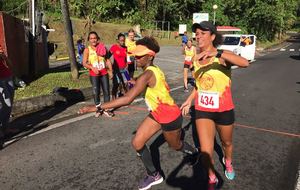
[[244, 64], [127, 100]]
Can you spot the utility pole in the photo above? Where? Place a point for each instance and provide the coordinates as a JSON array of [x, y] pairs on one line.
[[69, 43], [31, 39]]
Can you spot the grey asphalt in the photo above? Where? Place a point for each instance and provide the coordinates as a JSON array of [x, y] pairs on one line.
[[95, 153]]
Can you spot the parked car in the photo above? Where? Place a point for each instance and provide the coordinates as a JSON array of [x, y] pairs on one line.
[[234, 43]]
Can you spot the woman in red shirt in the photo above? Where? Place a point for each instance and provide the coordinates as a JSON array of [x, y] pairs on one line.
[[120, 72]]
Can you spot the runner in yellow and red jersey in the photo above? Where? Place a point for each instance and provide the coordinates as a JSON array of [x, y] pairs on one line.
[[189, 51], [213, 100], [164, 114], [95, 59], [130, 44]]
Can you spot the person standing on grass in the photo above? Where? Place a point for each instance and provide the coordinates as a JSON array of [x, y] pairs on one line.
[[80, 49], [121, 75], [214, 109], [130, 44], [189, 51], [6, 93], [100, 69], [164, 114]]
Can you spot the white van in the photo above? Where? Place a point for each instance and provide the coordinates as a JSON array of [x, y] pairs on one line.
[[234, 42]]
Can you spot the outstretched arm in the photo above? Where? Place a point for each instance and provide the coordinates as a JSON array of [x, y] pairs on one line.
[[140, 85]]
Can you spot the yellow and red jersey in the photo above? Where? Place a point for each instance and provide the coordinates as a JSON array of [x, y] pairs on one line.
[[213, 81], [189, 54], [130, 46], [158, 99], [97, 62]]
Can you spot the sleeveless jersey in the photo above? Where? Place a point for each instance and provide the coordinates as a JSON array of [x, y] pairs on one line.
[[189, 54], [130, 46], [96, 61], [158, 99], [213, 81]]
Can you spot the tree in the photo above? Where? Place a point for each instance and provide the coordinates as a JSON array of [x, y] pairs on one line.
[[70, 44]]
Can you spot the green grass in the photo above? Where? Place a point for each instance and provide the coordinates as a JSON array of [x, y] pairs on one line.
[[46, 83]]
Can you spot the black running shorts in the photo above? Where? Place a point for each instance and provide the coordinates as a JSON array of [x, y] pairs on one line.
[[188, 67], [220, 118]]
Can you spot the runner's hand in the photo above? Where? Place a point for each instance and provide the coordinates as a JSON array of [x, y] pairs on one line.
[[185, 107], [95, 70], [205, 54], [132, 81]]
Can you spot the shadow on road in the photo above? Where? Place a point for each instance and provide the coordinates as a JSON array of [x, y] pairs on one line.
[[296, 57], [199, 178], [30, 123]]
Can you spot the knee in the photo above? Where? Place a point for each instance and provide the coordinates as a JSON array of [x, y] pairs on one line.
[[227, 143], [136, 144]]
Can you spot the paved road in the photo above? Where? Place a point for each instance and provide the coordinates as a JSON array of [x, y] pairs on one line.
[[95, 153]]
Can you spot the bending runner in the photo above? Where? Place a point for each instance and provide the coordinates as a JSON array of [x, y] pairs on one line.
[[189, 51], [164, 114], [94, 59], [213, 99]]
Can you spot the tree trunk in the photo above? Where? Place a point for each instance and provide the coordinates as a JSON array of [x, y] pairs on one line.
[[69, 35]]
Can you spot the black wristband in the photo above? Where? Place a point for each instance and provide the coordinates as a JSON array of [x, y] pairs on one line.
[[219, 53]]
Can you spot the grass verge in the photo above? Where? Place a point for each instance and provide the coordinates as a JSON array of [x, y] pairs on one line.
[[46, 83]]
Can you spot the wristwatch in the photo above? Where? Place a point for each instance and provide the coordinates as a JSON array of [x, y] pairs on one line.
[[219, 53]]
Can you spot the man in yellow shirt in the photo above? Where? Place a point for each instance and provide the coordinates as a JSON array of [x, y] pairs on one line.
[[130, 44]]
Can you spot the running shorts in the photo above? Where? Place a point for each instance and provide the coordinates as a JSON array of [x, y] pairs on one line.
[[173, 125], [220, 118]]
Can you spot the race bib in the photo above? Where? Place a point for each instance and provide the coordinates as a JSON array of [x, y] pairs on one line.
[[188, 58], [99, 65], [208, 99]]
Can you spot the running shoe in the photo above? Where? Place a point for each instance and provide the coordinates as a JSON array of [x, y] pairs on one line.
[[99, 110], [108, 113], [212, 184], [150, 180], [229, 172]]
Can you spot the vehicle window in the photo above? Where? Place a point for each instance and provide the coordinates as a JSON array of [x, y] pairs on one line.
[[229, 40]]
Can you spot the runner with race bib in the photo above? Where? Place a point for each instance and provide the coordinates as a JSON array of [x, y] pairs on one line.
[[214, 108]]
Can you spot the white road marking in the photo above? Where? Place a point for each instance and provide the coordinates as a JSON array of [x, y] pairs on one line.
[[292, 49], [298, 180], [282, 49]]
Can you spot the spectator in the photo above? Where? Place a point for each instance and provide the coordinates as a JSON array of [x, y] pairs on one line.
[[94, 59], [245, 40], [80, 49], [184, 39], [120, 73], [6, 93], [130, 44]]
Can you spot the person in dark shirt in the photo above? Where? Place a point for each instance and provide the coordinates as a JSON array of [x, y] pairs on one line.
[[6, 93]]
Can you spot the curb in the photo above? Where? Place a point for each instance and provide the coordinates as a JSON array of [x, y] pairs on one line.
[[34, 104]]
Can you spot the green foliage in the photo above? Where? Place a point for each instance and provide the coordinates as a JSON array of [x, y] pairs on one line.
[[265, 18]]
